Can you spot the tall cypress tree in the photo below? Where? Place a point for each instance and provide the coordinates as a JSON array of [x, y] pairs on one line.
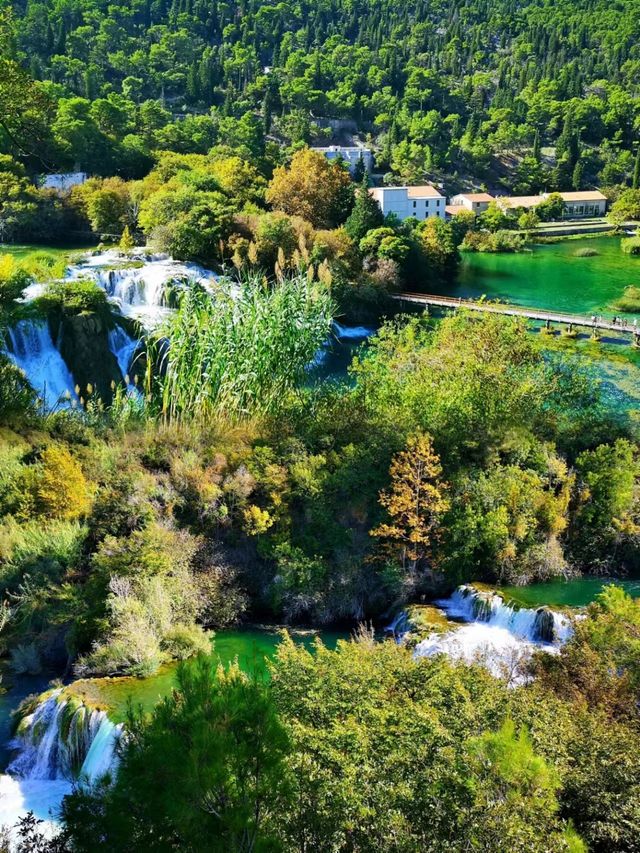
[[536, 146]]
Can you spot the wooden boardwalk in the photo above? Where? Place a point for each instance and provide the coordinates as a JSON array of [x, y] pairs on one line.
[[595, 323]]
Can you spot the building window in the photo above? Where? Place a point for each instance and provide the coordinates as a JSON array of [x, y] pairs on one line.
[[437, 202], [414, 204]]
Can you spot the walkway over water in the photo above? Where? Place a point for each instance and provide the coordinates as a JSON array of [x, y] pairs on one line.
[[623, 326]]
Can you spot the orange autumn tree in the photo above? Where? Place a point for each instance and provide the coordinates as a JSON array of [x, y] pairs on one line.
[[415, 503], [311, 187]]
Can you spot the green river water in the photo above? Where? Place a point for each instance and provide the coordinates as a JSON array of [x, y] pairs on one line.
[[552, 276], [573, 593]]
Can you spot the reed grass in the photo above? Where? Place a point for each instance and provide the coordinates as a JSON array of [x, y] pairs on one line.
[[239, 352]]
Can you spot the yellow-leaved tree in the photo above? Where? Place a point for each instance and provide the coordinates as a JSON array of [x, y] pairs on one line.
[[415, 503], [311, 187], [61, 490]]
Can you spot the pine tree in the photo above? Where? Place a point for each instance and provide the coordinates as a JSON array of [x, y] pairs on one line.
[[536, 146], [359, 171], [366, 213]]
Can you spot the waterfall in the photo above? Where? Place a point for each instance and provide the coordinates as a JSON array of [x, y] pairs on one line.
[[123, 347], [30, 346], [399, 626], [540, 625], [101, 757], [60, 743], [497, 634], [64, 739], [141, 289]]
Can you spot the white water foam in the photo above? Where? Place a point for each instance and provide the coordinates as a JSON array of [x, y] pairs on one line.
[[48, 754], [140, 289], [499, 635], [30, 346], [354, 333]]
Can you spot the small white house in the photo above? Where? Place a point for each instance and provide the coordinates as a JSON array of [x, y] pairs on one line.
[[405, 202], [475, 202], [351, 154], [62, 181]]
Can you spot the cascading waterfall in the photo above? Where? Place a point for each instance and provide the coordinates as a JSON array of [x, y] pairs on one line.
[[540, 625], [137, 284], [498, 634], [64, 739], [123, 346], [30, 346], [60, 743], [140, 289]]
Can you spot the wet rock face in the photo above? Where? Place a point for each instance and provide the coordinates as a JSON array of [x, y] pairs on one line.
[[545, 625], [84, 346]]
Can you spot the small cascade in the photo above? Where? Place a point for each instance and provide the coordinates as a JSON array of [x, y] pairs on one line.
[[140, 285], [123, 347], [30, 346], [497, 634], [354, 333], [399, 626]]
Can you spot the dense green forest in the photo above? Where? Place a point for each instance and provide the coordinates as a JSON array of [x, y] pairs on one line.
[[469, 89], [213, 482]]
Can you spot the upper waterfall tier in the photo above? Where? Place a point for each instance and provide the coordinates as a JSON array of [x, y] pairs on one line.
[[139, 284]]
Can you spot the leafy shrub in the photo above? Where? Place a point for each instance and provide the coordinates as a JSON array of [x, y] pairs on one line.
[[499, 241], [74, 297], [17, 397], [23, 544], [629, 302], [13, 279], [61, 490], [185, 641]]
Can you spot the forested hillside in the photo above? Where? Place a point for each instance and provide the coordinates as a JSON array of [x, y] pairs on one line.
[[482, 91]]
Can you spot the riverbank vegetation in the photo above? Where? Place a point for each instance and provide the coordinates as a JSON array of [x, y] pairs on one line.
[[630, 301], [462, 450], [364, 748]]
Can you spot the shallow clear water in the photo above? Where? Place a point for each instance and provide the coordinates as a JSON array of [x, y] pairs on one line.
[[551, 276], [252, 647], [572, 593]]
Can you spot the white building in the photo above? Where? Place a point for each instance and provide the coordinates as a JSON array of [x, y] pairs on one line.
[[419, 202], [350, 154], [475, 202], [62, 181]]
